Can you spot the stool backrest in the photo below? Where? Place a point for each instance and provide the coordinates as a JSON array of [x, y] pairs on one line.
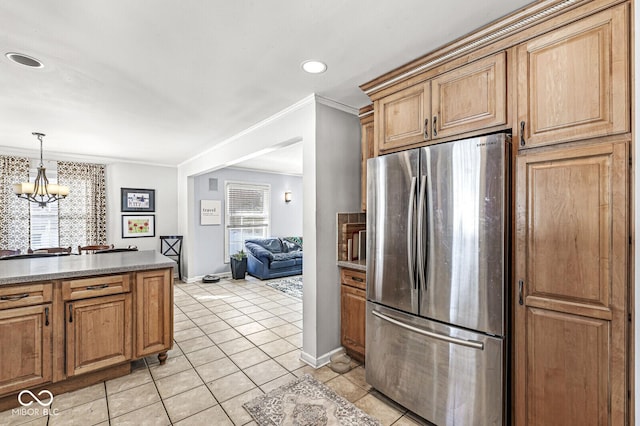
[[171, 245], [93, 248], [50, 250]]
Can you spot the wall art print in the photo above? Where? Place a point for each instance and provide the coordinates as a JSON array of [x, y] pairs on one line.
[[138, 200], [137, 226]]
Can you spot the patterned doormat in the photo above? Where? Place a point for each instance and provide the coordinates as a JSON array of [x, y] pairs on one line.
[[306, 401], [289, 285]]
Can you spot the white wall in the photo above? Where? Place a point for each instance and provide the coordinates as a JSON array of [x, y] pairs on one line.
[[331, 176], [163, 180], [208, 240], [337, 189]]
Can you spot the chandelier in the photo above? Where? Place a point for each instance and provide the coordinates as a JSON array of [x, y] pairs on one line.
[[40, 191]]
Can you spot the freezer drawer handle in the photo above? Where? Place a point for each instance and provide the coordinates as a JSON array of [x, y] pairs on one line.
[[462, 342]]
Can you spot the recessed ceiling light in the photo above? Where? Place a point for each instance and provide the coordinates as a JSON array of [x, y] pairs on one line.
[[25, 60], [314, 67]]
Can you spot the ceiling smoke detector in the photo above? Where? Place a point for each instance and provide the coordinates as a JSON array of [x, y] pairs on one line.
[[25, 60], [314, 67]]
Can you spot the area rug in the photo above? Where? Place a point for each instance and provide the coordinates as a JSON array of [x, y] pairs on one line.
[[289, 285], [306, 402]]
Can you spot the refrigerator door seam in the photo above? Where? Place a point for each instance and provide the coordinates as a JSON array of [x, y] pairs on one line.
[[463, 342]]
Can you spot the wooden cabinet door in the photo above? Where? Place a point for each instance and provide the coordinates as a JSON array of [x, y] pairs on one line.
[[98, 333], [25, 347], [367, 151], [573, 83], [571, 286], [154, 312], [353, 314], [469, 98], [402, 118]]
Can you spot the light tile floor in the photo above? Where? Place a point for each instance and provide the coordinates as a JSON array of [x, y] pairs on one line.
[[234, 340]]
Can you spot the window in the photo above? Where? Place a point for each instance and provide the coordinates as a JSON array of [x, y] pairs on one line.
[[44, 220], [246, 214]]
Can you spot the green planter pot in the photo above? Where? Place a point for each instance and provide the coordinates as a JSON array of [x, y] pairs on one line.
[[238, 268]]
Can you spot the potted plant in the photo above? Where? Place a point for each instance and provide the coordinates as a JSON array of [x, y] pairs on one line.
[[239, 265]]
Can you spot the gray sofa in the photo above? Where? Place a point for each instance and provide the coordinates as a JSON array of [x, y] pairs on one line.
[[273, 257]]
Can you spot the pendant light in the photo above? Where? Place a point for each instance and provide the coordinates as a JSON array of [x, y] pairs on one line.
[[40, 191]]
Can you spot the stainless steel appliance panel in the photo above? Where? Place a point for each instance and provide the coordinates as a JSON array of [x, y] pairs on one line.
[[464, 226], [392, 185], [447, 375]]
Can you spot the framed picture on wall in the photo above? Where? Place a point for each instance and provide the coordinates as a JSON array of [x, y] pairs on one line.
[[138, 226], [138, 200]]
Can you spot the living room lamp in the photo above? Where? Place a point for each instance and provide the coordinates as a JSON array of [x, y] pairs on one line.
[[287, 197], [40, 191]]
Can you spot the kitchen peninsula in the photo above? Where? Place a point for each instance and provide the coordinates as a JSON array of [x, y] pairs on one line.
[[70, 321]]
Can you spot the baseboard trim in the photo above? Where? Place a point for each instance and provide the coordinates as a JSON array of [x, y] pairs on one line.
[[322, 360]]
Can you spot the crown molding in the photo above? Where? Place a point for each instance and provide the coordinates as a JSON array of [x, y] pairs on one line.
[[498, 30]]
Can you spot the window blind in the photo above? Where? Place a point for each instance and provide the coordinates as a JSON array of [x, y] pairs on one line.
[[247, 211]]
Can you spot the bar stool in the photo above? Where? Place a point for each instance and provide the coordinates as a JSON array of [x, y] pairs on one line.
[[171, 246]]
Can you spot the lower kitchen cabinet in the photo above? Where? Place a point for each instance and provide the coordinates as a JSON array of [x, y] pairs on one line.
[[71, 332], [25, 347], [353, 299], [98, 332], [154, 312]]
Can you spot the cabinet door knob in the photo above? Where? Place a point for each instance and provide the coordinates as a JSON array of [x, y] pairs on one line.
[[426, 128], [70, 313], [435, 125], [522, 124], [46, 316]]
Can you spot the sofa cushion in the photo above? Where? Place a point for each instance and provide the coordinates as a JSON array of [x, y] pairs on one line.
[[258, 251], [278, 264], [287, 256], [272, 244]]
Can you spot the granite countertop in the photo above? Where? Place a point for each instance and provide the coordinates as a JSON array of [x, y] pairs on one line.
[[358, 265], [13, 271]]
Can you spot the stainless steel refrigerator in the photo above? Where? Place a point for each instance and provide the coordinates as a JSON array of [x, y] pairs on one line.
[[437, 228]]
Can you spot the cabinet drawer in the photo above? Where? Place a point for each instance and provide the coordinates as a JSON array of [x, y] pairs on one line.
[[24, 295], [96, 286], [354, 278]]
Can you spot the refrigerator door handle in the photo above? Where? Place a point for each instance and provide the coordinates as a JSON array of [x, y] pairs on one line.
[[463, 342], [411, 231], [420, 232]]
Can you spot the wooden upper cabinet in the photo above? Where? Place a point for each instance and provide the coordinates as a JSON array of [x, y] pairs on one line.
[[367, 151], [402, 118], [573, 83], [571, 290], [470, 98]]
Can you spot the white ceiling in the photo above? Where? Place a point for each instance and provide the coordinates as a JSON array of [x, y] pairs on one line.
[[159, 81]]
